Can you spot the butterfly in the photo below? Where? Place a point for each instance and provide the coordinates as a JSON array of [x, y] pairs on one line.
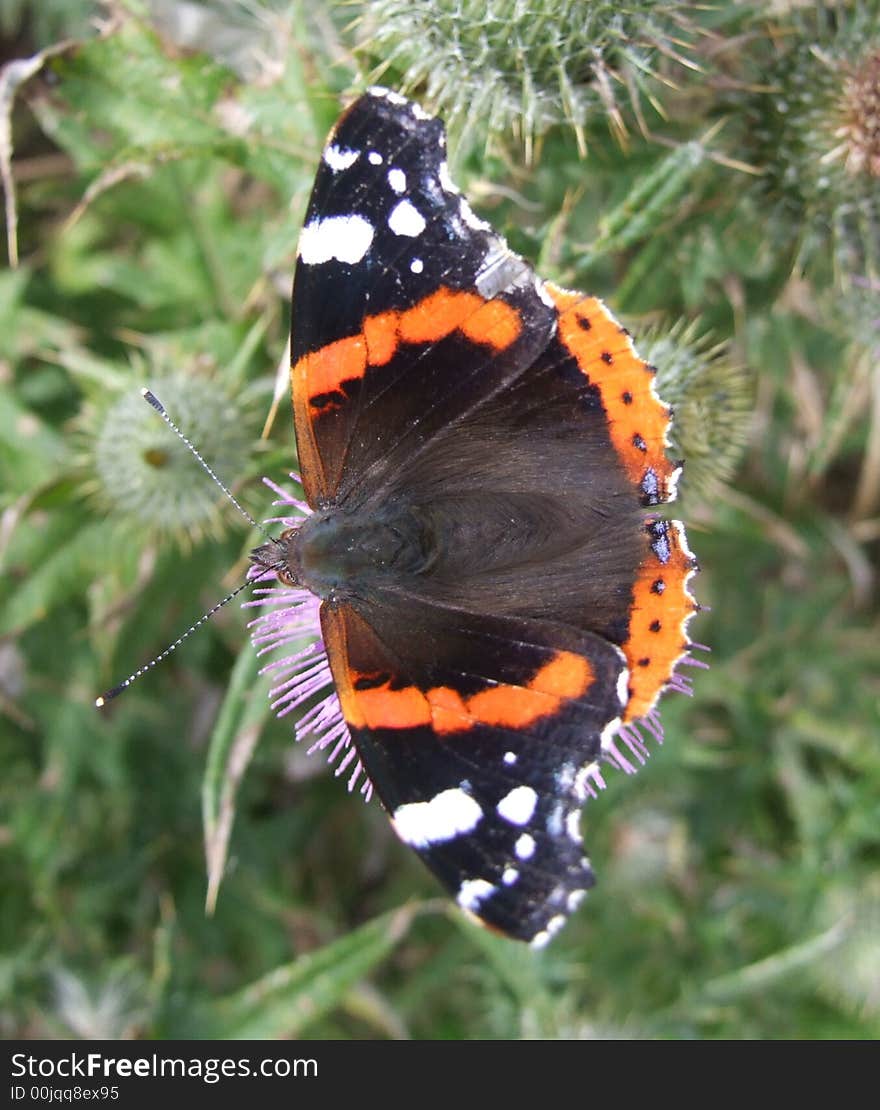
[[498, 604]]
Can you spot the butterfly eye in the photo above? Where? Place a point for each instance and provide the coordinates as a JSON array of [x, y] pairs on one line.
[[285, 576], [281, 562]]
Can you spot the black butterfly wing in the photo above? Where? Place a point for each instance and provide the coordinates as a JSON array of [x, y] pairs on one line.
[[407, 309], [480, 736]]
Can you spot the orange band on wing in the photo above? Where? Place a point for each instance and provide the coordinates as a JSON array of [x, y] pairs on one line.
[[438, 316], [567, 675], [638, 420], [381, 335], [449, 710], [323, 372], [382, 707], [495, 324]]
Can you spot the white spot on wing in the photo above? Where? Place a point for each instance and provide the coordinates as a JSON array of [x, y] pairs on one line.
[[565, 776], [623, 687], [682, 538], [417, 265], [574, 899], [381, 93], [338, 159], [472, 892], [343, 238], [573, 826], [650, 486], [397, 180], [541, 290], [471, 218], [518, 806], [539, 940], [405, 219], [510, 876], [446, 182], [375, 158], [608, 734], [554, 821], [510, 757], [672, 484], [447, 815], [660, 543], [587, 775], [525, 846]]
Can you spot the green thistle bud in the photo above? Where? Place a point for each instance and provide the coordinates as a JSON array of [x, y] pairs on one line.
[[814, 129], [712, 399], [143, 475], [487, 65]]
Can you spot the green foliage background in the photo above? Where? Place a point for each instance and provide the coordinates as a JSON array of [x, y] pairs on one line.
[[161, 170]]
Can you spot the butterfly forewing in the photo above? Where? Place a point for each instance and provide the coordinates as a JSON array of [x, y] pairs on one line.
[[407, 309]]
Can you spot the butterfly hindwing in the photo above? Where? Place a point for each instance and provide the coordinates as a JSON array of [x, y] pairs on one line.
[[478, 736]]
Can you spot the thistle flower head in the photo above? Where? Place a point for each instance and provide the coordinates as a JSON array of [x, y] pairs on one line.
[[712, 398], [860, 109], [289, 630], [144, 476], [814, 129], [492, 64]]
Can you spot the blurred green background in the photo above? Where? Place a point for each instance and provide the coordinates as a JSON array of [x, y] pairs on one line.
[[715, 175]]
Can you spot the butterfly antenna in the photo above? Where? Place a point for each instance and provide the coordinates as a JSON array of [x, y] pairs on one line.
[[153, 400], [135, 675]]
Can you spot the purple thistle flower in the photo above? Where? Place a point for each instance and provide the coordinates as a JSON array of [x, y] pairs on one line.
[[290, 623]]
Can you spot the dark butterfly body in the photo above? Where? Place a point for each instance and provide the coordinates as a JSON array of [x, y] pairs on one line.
[[478, 449]]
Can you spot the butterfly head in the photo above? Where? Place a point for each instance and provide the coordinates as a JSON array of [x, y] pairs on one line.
[[278, 557]]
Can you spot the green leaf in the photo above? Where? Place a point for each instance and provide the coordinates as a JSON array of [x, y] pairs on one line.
[[30, 450], [289, 999], [762, 976], [650, 202], [60, 576], [232, 746], [128, 93]]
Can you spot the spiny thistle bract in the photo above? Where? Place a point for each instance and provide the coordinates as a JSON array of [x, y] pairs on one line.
[[487, 65], [814, 130], [712, 398], [143, 475]]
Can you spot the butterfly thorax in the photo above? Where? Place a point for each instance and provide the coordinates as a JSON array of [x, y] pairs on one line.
[[336, 552], [469, 549]]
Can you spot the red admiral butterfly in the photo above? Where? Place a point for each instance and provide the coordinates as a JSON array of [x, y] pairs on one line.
[[478, 448]]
